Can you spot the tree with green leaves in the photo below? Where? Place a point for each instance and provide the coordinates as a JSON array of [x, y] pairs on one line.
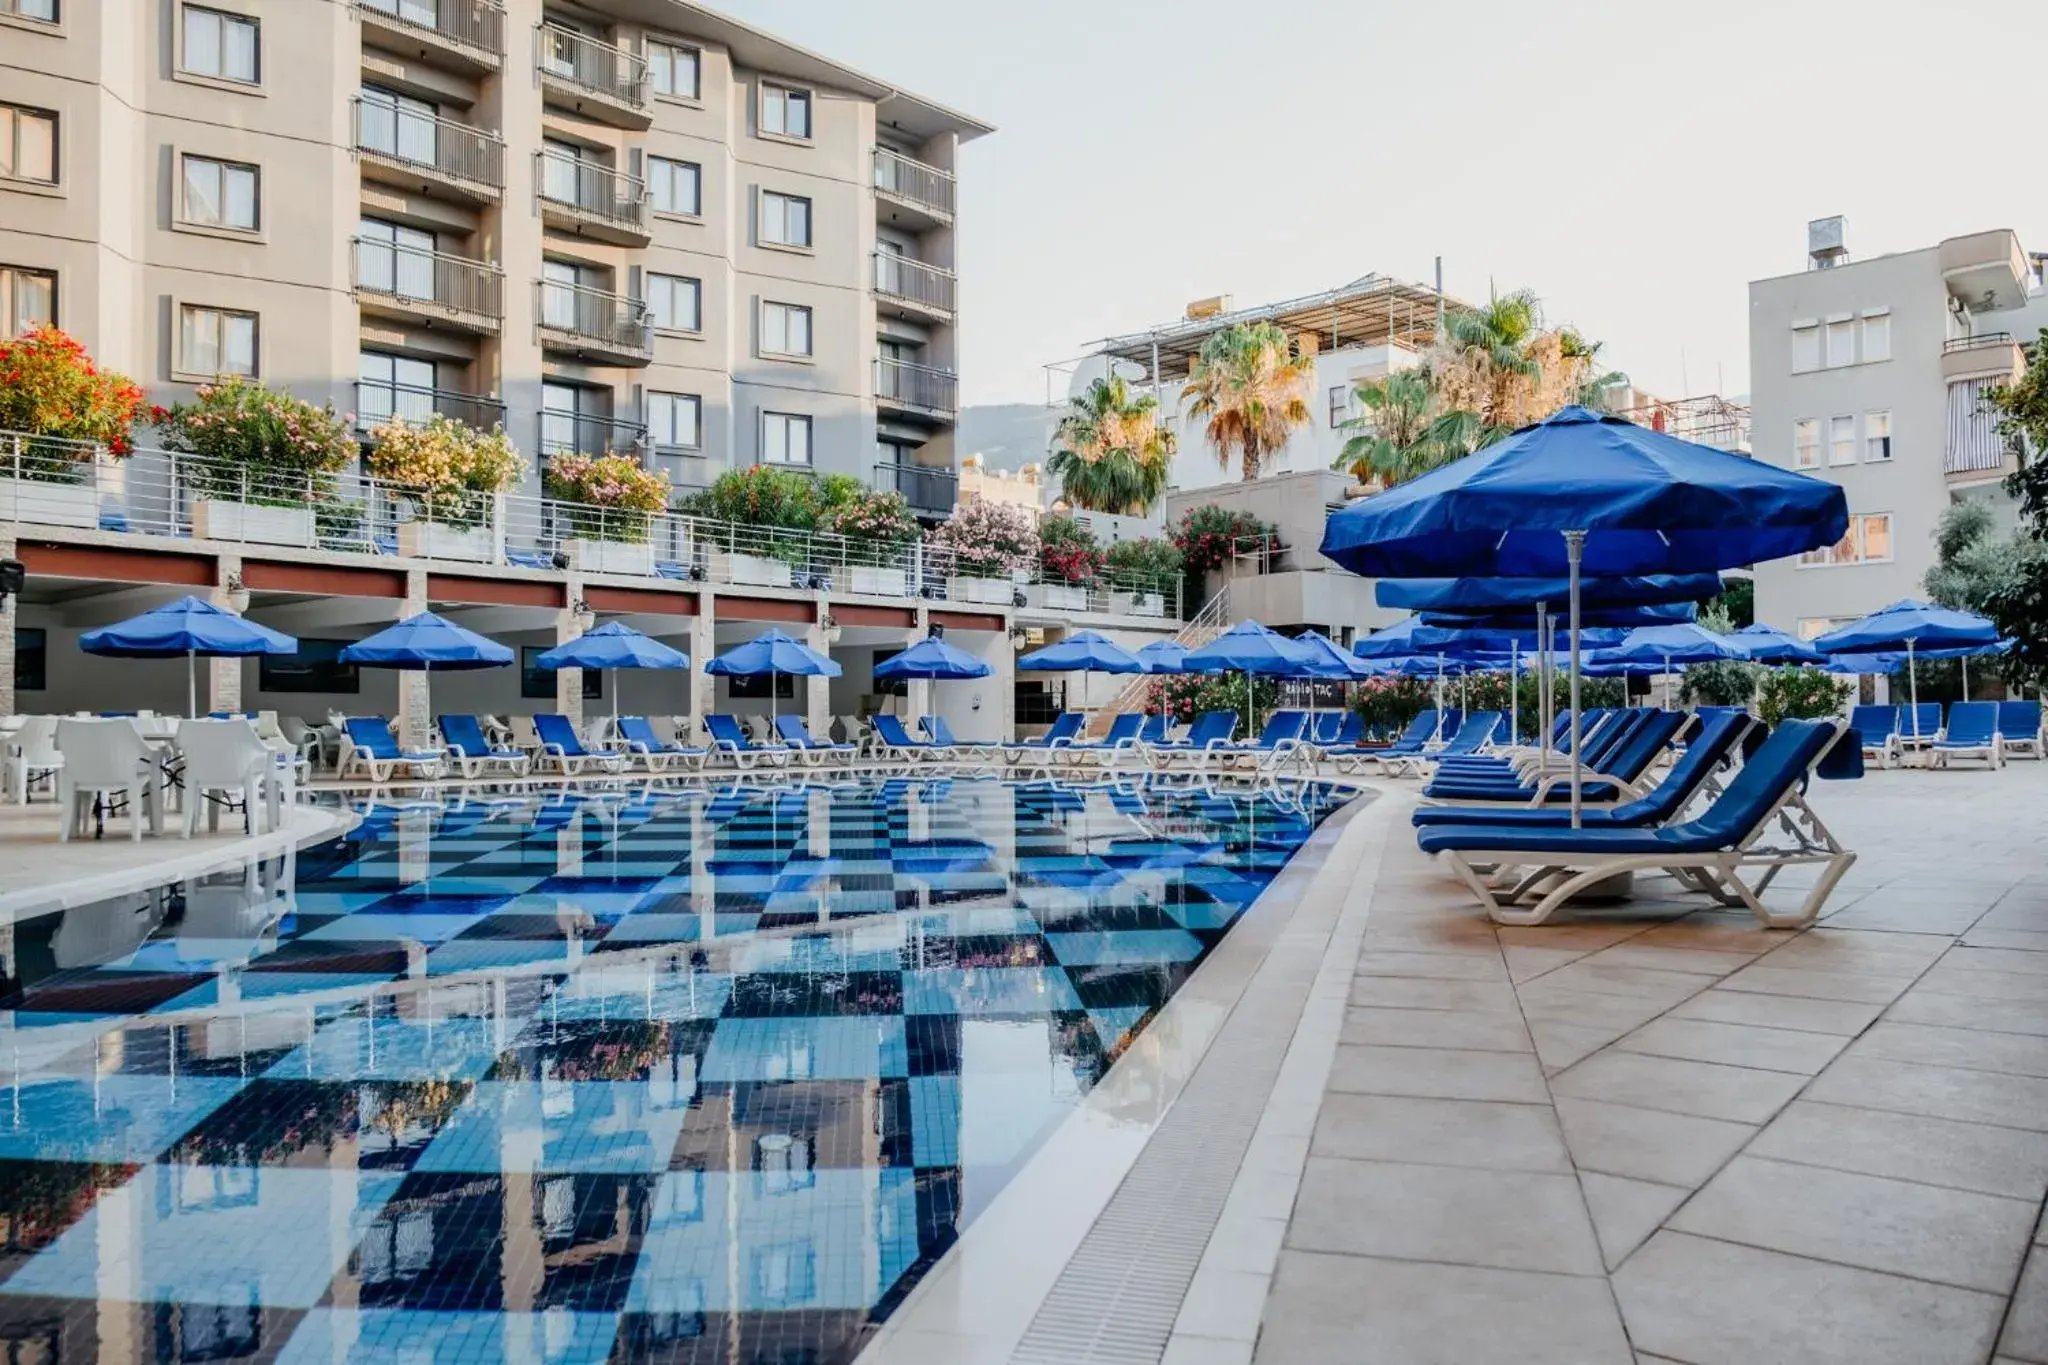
[[2018, 601], [1110, 451], [1394, 437], [1250, 384]]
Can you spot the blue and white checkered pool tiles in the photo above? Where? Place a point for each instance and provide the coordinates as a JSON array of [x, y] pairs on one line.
[[694, 1075]]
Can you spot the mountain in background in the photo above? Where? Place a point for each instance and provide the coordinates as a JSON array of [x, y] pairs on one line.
[[1008, 435]]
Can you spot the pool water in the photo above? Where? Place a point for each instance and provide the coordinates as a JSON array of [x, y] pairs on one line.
[[695, 1074]]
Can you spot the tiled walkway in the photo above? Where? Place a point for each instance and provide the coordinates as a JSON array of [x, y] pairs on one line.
[[1645, 1139]]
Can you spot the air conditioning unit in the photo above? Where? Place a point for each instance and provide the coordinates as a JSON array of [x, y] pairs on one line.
[[1213, 306], [1827, 243]]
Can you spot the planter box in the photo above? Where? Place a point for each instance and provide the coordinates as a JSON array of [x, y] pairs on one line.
[[994, 592], [432, 540], [1138, 603], [878, 582], [249, 523], [50, 504], [757, 571], [611, 556], [1057, 596]]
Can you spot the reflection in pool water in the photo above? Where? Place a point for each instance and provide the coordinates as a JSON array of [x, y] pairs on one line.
[[688, 1074]]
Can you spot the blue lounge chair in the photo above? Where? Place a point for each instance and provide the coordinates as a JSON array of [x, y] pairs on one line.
[[1919, 726], [1475, 732], [1599, 732], [730, 741], [1878, 730], [642, 743], [1610, 776], [473, 754], [1065, 729], [940, 733], [1412, 740], [1972, 733], [1710, 852], [373, 747], [1121, 738], [2019, 725], [892, 741], [1279, 742], [1157, 729], [791, 730], [1211, 730], [563, 749]]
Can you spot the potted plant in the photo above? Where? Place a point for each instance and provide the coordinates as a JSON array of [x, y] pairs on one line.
[[61, 413], [1068, 561], [764, 518], [981, 548], [1141, 571], [874, 529], [265, 459], [609, 503], [1210, 538], [450, 478]]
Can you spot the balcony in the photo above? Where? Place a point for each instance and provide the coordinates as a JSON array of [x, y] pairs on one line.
[[1985, 271], [916, 390], [582, 433], [460, 35], [917, 289], [594, 79], [930, 492], [377, 403], [591, 325], [590, 200], [434, 156], [1987, 355], [921, 195], [406, 282]]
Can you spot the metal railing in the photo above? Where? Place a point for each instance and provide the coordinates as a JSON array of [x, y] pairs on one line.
[[900, 277], [1979, 341], [1212, 620], [591, 188], [411, 275], [968, 580], [428, 142], [603, 70], [917, 386], [926, 490], [581, 433], [611, 320], [906, 178], [378, 402], [473, 23]]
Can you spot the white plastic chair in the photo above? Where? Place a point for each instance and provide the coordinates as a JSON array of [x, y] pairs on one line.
[[104, 757], [226, 756], [302, 737], [32, 754]]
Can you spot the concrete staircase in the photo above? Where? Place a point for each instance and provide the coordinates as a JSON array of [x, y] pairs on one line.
[[1205, 625]]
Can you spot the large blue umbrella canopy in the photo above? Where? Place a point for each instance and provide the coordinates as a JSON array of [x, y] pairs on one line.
[[427, 642], [1249, 647], [1390, 642], [613, 645], [1503, 594], [1627, 618], [1164, 656], [1082, 652], [773, 652], [1659, 649], [191, 627], [1769, 645], [1328, 659], [1908, 626], [932, 658]]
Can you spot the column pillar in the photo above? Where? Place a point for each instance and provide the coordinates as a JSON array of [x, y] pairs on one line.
[[702, 696], [415, 693], [818, 691], [7, 619], [917, 694], [569, 681], [224, 676]]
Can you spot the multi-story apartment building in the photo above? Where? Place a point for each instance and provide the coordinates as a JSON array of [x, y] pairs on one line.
[[1872, 374], [613, 225]]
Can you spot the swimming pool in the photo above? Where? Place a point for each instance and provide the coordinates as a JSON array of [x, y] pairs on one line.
[[685, 1074]]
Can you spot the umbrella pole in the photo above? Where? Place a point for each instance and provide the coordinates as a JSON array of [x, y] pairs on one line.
[[1543, 687], [1670, 683], [1514, 702], [1913, 691], [1965, 661], [192, 684], [1574, 551]]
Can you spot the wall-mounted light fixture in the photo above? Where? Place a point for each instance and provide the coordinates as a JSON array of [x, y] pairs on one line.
[[237, 591]]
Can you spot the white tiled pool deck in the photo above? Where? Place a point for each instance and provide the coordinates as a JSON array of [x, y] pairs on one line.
[[1654, 1134]]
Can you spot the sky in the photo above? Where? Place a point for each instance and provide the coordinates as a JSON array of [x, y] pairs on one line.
[[1635, 164]]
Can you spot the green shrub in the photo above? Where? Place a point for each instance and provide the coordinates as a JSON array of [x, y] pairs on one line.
[[1801, 694], [1067, 552], [1144, 565]]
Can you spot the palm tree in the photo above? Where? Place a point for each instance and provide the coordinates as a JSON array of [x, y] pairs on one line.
[[1486, 364], [1587, 384], [1393, 442], [1252, 386], [1109, 451]]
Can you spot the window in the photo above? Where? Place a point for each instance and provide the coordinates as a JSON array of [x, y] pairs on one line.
[[1841, 342], [1877, 535], [1877, 337], [394, 386], [538, 684], [676, 303], [1868, 540], [1877, 437], [1842, 440], [221, 194], [562, 167], [27, 297], [1805, 347], [421, 12], [675, 70], [215, 341], [220, 45], [31, 658], [392, 258], [559, 42], [785, 438], [574, 418], [675, 420], [1340, 403], [785, 112], [785, 219], [676, 186], [28, 144], [45, 10], [561, 300], [785, 329], [316, 667], [398, 126], [1806, 443]]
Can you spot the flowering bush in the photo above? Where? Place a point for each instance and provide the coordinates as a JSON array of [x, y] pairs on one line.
[[452, 469], [261, 445], [986, 540], [606, 497], [1209, 536], [1182, 697], [1144, 564], [1801, 693], [876, 526], [50, 387], [1067, 551], [783, 502]]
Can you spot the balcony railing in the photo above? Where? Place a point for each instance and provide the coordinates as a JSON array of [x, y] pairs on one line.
[[900, 277], [1979, 341], [580, 433], [589, 188], [904, 178], [917, 386], [428, 142], [413, 276], [378, 402], [605, 71], [473, 23], [926, 490], [610, 321]]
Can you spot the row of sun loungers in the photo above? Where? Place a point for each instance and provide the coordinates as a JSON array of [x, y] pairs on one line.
[[1989, 732]]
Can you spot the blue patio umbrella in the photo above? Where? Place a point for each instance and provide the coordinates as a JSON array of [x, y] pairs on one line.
[[1582, 494], [612, 646], [1164, 656], [1083, 652], [773, 653], [427, 643], [1328, 659], [1503, 594], [1253, 650], [1660, 649], [1769, 645], [1590, 618], [1918, 628], [932, 658], [190, 626]]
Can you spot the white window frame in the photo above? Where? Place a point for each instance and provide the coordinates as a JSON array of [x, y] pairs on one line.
[[1841, 448], [222, 170], [14, 119], [782, 204], [12, 321], [788, 313], [1853, 548], [1863, 520], [188, 363], [385, 371], [1872, 453], [1876, 323], [781, 96], [1806, 454], [659, 402], [674, 53], [228, 21], [659, 283], [787, 424], [1806, 333], [54, 17], [1340, 404], [665, 172], [1838, 329]]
